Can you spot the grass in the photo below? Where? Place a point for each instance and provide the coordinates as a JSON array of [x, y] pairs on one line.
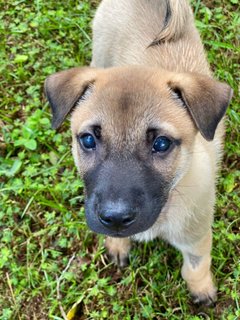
[[49, 259]]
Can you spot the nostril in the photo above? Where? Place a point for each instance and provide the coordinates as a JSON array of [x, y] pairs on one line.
[[127, 221], [105, 219]]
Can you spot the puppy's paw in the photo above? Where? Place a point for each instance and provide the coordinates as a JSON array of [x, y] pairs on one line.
[[120, 260], [206, 298], [117, 250]]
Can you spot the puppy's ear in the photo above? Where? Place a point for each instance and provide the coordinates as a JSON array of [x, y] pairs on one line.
[[206, 100], [64, 89]]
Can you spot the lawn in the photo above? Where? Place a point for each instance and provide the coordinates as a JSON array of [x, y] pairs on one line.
[[49, 260]]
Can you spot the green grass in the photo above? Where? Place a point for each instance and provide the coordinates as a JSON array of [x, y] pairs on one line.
[[42, 225]]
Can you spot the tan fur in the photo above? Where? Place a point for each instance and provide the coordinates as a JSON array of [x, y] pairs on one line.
[[198, 277], [181, 15], [128, 100], [124, 30], [118, 249]]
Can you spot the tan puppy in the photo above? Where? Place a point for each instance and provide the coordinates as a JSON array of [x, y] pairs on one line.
[[147, 138]]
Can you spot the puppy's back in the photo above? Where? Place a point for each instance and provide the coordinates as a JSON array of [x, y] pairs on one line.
[[154, 32]]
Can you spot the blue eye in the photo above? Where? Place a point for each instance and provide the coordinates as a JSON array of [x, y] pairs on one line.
[[88, 141], [161, 144]]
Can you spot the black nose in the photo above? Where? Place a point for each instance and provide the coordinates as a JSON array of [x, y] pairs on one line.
[[117, 216]]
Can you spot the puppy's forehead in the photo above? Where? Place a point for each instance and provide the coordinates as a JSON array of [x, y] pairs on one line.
[[128, 103], [131, 96], [128, 100]]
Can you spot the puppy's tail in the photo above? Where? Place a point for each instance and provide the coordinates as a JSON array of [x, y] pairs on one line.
[[178, 13]]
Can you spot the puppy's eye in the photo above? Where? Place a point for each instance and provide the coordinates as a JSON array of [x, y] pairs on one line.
[[161, 144], [88, 141]]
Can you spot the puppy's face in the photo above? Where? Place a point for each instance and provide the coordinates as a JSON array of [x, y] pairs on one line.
[[133, 134]]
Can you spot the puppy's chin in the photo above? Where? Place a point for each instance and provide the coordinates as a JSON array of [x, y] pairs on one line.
[[143, 223]]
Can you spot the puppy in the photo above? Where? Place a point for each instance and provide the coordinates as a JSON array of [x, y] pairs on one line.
[[147, 132]]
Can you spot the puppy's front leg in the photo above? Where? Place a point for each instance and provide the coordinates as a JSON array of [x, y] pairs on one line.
[[118, 249], [196, 271]]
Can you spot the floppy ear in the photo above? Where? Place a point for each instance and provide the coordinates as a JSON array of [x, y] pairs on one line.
[[206, 100], [64, 89]]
